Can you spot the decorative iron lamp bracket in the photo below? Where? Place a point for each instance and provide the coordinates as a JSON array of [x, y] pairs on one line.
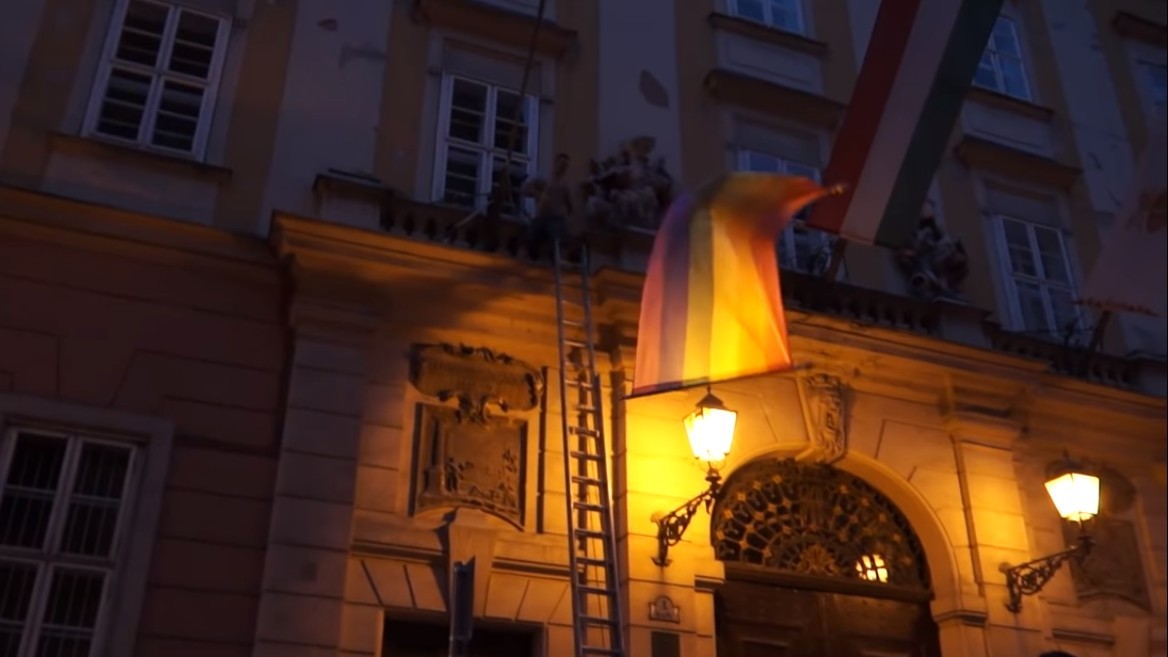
[[1030, 577], [671, 526]]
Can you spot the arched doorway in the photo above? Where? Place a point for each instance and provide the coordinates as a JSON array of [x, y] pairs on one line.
[[818, 564]]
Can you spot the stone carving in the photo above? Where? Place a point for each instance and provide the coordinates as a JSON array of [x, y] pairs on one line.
[[935, 264], [663, 609], [1114, 567], [476, 377], [824, 399], [812, 519], [478, 464], [629, 189]]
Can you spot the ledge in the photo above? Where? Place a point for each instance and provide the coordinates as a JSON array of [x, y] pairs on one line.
[[768, 34], [1140, 28], [137, 155], [984, 154], [495, 23], [341, 183], [754, 93], [1010, 104]]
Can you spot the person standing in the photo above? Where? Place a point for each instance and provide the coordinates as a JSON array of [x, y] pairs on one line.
[[553, 206]]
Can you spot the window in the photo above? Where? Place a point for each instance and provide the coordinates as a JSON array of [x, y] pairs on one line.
[[62, 502], [783, 14], [1038, 278], [157, 82], [1001, 68], [801, 248], [1152, 77], [475, 128]]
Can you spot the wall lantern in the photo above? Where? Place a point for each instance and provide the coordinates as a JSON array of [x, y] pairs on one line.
[[1076, 497], [710, 428]]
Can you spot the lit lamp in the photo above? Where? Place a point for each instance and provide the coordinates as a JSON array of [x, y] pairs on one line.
[[710, 428], [1076, 497]]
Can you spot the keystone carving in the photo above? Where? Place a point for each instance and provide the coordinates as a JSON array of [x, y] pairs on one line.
[[824, 398]]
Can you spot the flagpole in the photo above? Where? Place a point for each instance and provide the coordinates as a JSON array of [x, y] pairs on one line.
[[794, 369]]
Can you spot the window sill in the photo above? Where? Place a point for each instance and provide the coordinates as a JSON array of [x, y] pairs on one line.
[[494, 23], [99, 147], [1010, 104], [762, 95], [340, 183], [1140, 28], [986, 155], [768, 34]]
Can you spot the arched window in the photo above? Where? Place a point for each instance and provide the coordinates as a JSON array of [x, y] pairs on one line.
[[813, 519]]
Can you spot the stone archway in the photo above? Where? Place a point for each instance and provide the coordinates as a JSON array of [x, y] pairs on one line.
[[818, 562]]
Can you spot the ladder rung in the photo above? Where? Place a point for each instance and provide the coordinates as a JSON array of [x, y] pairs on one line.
[[583, 431], [586, 455], [577, 479], [597, 620], [588, 506], [590, 533], [590, 561], [584, 408], [575, 343], [595, 590], [581, 384], [598, 650], [574, 323]]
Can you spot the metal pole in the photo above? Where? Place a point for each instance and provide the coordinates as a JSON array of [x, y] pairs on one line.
[[461, 608]]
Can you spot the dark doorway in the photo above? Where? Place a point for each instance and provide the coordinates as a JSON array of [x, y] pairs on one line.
[[764, 620], [420, 639]]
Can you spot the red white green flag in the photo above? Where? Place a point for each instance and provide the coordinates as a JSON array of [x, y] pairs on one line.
[[917, 70]]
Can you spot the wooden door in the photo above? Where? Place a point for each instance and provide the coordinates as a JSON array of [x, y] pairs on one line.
[[765, 620]]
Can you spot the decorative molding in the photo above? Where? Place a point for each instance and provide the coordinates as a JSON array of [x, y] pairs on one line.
[[1114, 567], [495, 23], [662, 609], [476, 377], [1010, 104], [478, 462], [759, 32], [825, 398], [1017, 164], [628, 190], [795, 104]]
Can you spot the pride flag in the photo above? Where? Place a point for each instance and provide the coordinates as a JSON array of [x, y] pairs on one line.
[[711, 309]]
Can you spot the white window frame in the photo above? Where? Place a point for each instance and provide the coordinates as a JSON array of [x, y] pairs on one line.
[[443, 141], [768, 16], [151, 439], [995, 60], [1010, 280], [157, 75], [788, 241]]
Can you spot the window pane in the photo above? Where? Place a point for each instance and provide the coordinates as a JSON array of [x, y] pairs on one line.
[[1066, 312], [1004, 38], [784, 14], [1050, 250], [518, 175], [194, 45], [505, 106], [461, 182], [70, 613], [16, 584], [751, 9], [1032, 307], [763, 163], [986, 76], [96, 500], [141, 33], [30, 490], [124, 104], [796, 169], [178, 116], [468, 108], [1013, 77], [1018, 248]]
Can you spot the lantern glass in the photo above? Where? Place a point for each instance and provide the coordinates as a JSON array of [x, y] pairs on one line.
[[1075, 495], [711, 429]]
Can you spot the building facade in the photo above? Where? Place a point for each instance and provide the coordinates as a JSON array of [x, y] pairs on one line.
[[268, 369]]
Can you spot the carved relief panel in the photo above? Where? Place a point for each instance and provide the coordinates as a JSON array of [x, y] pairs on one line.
[[471, 440]]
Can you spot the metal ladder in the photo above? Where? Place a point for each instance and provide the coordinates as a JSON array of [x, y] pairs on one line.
[[596, 608]]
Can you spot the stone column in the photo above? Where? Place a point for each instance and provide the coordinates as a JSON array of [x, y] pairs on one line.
[[303, 590]]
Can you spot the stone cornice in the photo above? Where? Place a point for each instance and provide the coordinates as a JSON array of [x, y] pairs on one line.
[[35, 215]]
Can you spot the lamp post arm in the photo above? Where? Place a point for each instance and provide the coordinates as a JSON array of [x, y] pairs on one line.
[[1030, 577], [671, 526]]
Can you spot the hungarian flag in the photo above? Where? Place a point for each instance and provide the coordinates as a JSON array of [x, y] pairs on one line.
[[711, 309], [1129, 274], [917, 69]]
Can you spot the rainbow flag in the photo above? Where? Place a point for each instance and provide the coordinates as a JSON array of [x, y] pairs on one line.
[[711, 309]]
